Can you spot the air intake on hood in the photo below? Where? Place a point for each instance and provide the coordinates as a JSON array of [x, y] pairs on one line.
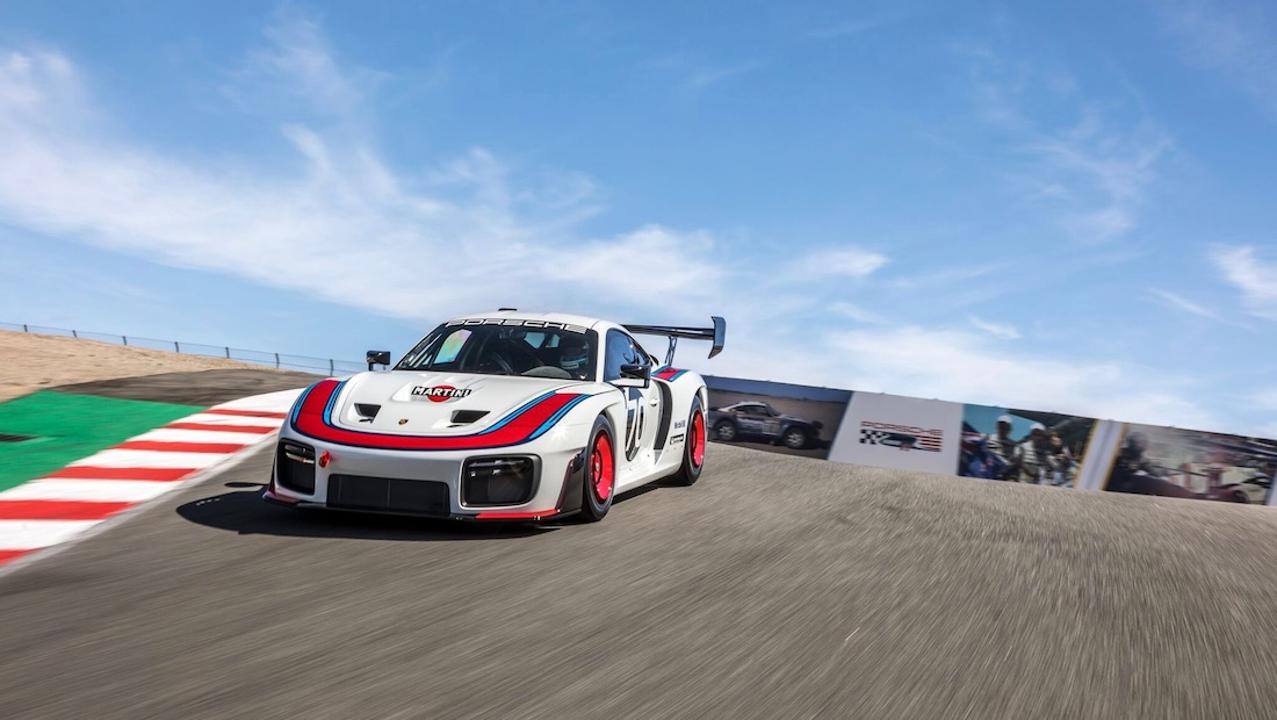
[[465, 417], [366, 411]]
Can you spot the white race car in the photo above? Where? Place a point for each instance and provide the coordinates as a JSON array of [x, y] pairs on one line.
[[508, 416]]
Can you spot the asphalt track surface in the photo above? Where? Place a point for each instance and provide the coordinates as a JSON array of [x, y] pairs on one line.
[[777, 587]]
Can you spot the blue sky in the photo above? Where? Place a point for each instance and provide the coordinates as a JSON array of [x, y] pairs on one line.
[[1068, 208]]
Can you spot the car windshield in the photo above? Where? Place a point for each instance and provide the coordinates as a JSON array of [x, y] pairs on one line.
[[491, 349]]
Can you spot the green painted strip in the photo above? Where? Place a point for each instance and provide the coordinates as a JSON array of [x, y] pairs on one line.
[[68, 427]]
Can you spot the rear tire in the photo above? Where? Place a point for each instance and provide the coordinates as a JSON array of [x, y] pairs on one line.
[[725, 431], [693, 447], [599, 487]]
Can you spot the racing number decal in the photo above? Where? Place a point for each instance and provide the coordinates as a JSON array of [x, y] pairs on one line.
[[634, 419]]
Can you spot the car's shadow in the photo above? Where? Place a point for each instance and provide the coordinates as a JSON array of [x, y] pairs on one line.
[[244, 512]]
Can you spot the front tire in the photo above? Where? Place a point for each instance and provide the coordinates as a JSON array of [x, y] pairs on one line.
[[794, 439], [693, 447], [599, 487]]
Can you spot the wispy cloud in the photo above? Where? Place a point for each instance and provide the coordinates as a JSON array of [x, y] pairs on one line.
[[1236, 40], [1093, 172], [855, 312], [848, 262], [1254, 276], [1179, 302], [702, 77], [850, 27], [1001, 331], [1265, 398]]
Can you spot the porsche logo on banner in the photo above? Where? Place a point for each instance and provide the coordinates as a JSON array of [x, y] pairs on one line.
[[900, 432]]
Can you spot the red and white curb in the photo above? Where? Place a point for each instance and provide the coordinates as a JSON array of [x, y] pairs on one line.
[[67, 503]]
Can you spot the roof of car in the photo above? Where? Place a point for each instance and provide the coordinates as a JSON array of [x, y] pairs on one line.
[[566, 318]]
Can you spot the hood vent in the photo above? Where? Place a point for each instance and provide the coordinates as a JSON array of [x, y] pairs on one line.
[[465, 417], [367, 412]]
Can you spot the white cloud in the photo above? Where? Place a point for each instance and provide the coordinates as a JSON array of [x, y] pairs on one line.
[[1180, 302], [1253, 276], [344, 226], [963, 366], [1001, 331], [852, 262]]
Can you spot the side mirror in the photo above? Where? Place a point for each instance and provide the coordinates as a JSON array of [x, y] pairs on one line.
[[639, 376], [378, 357]]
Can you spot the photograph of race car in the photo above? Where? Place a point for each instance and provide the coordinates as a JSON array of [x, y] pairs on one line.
[[755, 420], [1173, 462], [505, 416]]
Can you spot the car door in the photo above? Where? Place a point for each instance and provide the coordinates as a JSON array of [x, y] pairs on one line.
[[750, 419], [642, 405], [770, 421]]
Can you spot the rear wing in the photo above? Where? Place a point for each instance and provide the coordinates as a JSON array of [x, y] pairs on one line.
[[716, 334]]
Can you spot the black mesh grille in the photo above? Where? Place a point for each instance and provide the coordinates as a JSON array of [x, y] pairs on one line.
[[498, 481], [295, 467], [360, 492]]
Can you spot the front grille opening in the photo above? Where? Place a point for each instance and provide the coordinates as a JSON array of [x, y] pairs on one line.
[[367, 411], [295, 467], [361, 492], [498, 481]]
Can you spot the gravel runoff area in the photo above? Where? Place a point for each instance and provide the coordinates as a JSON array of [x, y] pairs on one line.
[[777, 587], [30, 362]]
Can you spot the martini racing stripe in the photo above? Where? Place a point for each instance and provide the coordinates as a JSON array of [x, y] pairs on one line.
[[312, 416], [669, 374]]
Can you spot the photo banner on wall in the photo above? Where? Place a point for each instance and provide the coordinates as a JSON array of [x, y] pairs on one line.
[[1171, 462], [1026, 446], [777, 417], [899, 432]]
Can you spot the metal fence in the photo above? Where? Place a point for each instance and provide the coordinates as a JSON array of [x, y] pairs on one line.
[[303, 363]]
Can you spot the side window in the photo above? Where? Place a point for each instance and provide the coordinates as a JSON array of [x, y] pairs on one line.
[[618, 352], [621, 350]]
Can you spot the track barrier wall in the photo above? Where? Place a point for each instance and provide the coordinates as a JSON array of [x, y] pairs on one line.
[[1000, 444]]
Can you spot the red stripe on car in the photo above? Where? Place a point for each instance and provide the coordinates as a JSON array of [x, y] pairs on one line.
[[310, 421]]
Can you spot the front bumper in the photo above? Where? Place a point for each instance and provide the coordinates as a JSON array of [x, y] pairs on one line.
[[427, 484]]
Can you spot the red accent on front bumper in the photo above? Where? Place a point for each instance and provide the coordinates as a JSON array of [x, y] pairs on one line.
[[272, 497], [522, 515]]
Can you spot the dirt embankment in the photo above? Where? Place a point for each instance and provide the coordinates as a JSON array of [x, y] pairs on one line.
[[33, 362]]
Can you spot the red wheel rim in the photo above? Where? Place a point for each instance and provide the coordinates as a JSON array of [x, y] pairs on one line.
[[601, 467], [698, 439]]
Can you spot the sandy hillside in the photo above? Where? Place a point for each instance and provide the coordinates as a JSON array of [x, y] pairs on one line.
[[32, 362]]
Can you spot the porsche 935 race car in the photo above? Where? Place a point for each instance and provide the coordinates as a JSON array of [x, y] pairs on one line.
[[509, 416]]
